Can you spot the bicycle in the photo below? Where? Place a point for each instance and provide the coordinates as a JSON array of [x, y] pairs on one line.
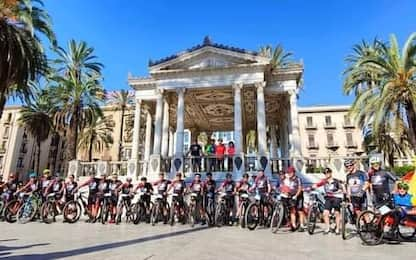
[[281, 214], [177, 210], [140, 205], [347, 216], [210, 208], [29, 209], [130, 209], [223, 209], [50, 209], [316, 210], [193, 209], [12, 207], [106, 207], [245, 202], [258, 212], [160, 207], [73, 208]]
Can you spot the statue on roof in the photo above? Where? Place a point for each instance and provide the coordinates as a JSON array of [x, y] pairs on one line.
[[207, 40]]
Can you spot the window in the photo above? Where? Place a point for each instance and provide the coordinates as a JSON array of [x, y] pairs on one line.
[[19, 162], [350, 140], [3, 145], [328, 120], [127, 154], [6, 131], [330, 139], [309, 121], [347, 120], [311, 140], [9, 117]]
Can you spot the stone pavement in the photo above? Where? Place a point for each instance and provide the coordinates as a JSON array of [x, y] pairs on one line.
[[127, 241]]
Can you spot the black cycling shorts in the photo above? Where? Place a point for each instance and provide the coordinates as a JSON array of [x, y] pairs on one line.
[[358, 203], [92, 198], [294, 203], [332, 203]]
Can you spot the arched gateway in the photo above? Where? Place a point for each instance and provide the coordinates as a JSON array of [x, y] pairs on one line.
[[213, 87]]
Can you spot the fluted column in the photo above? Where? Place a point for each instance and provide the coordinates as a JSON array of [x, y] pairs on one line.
[[294, 134], [180, 122], [158, 124], [261, 119], [148, 137], [165, 129], [136, 130], [171, 142], [238, 120]]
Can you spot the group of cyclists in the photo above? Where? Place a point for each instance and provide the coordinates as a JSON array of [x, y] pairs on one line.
[[361, 189]]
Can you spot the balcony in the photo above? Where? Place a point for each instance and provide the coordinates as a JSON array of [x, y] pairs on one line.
[[2, 150], [23, 150], [312, 146], [332, 145], [348, 124], [5, 136], [310, 127], [330, 126], [351, 145]]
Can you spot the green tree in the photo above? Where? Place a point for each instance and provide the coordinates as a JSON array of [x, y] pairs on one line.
[[22, 56], [121, 100], [383, 80], [78, 93], [37, 118], [96, 136]]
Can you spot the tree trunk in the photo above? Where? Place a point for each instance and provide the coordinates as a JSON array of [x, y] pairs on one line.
[[411, 118], [38, 157], [72, 136], [120, 144], [90, 148], [3, 100]]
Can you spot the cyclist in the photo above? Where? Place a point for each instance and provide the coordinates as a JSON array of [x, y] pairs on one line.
[[162, 186], [197, 186], [113, 186], [242, 187], [147, 189], [45, 182], [210, 186], [380, 181], [9, 188], [178, 185], [357, 184], [70, 186], [56, 186], [334, 192], [292, 196], [228, 186], [127, 188], [31, 186], [92, 183]]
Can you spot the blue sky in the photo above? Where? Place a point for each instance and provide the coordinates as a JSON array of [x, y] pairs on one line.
[[126, 34]]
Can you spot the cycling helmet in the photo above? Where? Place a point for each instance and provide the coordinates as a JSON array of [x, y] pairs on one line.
[[209, 174], [46, 172], [178, 174], [375, 159], [228, 175], [349, 162], [327, 170], [197, 174], [143, 179], [245, 175], [33, 175], [291, 169], [403, 185], [128, 179]]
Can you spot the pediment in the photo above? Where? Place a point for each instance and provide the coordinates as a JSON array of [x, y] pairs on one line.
[[207, 56]]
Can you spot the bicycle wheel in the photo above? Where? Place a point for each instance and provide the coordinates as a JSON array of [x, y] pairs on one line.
[[154, 214], [72, 211], [344, 221], [405, 232], [370, 228], [2, 205], [120, 213], [47, 212], [104, 212], [192, 215], [312, 216], [219, 215], [140, 213], [242, 220], [252, 216], [172, 214], [11, 209], [27, 212]]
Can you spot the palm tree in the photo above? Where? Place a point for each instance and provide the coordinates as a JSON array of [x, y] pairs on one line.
[[22, 56], [78, 93], [388, 97], [36, 117], [121, 100], [96, 136]]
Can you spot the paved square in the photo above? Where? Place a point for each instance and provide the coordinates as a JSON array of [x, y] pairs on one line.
[[97, 241]]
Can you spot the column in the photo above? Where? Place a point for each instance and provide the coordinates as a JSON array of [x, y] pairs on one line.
[[136, 130], [294, 134], [148, 137], [158, 124], [165, 129], [180, 125], [238, 160], [171, 143], [261, 119], [273, 147]]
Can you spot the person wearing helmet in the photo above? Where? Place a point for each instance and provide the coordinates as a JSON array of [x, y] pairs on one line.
[[178, 185], [46, 180], [146, 188], [113, 186], [31, 186], [9, 188], [357, 185], [56, 186], [93, 202], [334, 192], [242, 187], [228, 187], [380, 181], [197, 186], [162, 186], [292, 196], [70, 186]]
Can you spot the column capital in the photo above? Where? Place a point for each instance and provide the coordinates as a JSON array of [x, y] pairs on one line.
[[260, 85], [180, 91], [159, 92], [237, 86], [139, 101], [292, 92]]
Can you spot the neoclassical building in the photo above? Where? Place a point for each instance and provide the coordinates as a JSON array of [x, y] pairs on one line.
[[213, 87]]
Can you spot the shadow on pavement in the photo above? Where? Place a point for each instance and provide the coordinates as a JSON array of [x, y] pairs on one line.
[[10, 239], [91, 249], [8, 248]]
